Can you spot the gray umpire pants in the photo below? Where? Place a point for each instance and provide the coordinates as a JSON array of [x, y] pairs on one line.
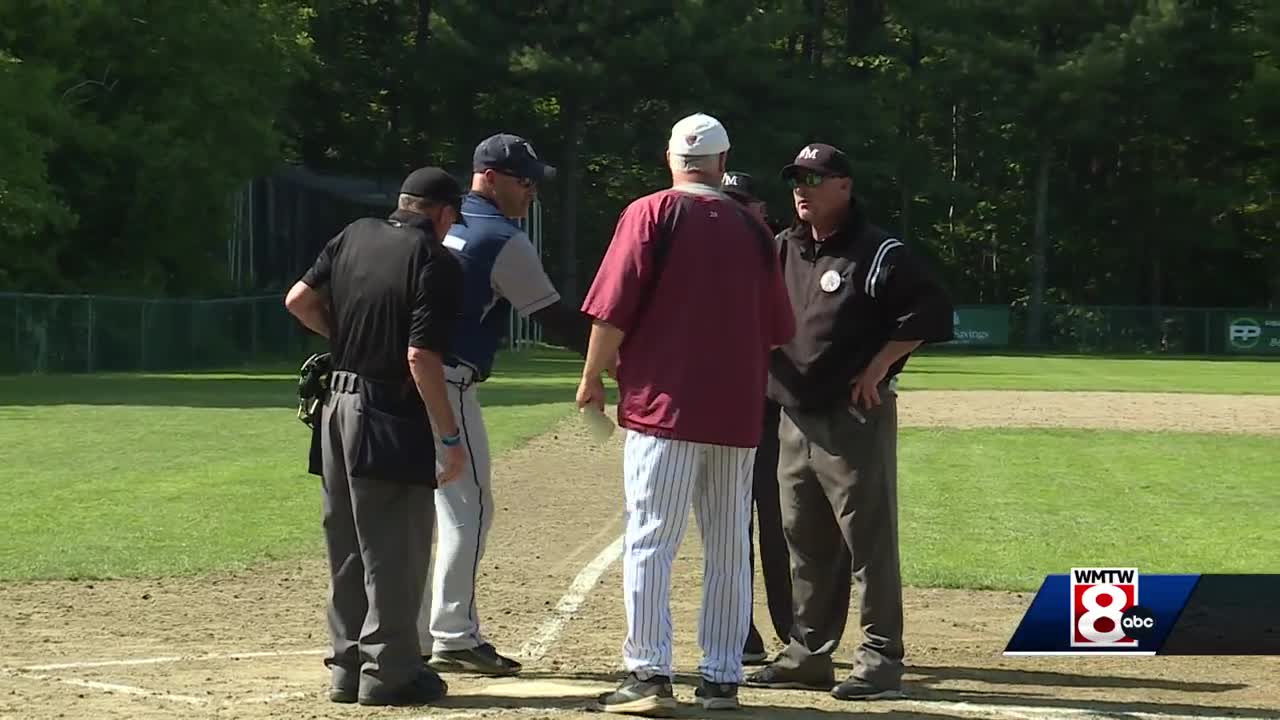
[[378, 534], [837, 481]]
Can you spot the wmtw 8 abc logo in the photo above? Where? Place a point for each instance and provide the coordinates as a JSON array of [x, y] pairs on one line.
[[1104, 609]]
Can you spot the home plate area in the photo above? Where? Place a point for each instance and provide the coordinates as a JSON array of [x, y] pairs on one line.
[[284, 684]]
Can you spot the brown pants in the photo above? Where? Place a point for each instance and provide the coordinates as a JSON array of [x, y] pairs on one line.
[[837, 481]]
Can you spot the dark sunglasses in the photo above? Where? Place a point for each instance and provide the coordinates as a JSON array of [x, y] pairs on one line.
[[807, 180], [523, 181]]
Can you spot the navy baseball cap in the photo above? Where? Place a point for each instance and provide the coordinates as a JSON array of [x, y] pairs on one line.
[[511, 155]]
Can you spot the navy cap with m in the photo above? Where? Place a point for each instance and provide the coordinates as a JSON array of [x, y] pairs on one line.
[[511, 155]]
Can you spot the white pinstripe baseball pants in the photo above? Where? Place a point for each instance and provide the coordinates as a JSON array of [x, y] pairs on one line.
[[662, 478]]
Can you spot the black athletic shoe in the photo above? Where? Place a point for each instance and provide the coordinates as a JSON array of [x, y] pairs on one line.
[[753, 650], [773, 676], [343, 695], [717, 696], [652, 697], [424, 689], [481, 660], [858, 689]]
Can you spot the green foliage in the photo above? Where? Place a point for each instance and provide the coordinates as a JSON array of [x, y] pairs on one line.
[[1144, 131], [28, 203], [149, 117]]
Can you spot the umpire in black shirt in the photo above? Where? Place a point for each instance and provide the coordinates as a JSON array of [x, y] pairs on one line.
[[387, 295], [863, 303]]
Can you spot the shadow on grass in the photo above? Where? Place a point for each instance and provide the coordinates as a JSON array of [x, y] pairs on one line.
[[522, 380]]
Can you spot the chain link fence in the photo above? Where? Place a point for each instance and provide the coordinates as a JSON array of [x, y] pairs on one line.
[[87, 333]]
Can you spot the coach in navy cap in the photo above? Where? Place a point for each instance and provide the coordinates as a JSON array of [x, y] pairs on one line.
[[502, 272], [511, 155]]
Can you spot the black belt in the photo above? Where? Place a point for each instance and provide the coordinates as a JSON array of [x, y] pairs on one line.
[[344, 382], [379, 392]]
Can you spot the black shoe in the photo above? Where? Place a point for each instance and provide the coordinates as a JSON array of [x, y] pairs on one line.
[[424, 689], [774, 676], [858, 689], [753, 650], [343, 695], [482, 660], [652, 697], [717, 696]]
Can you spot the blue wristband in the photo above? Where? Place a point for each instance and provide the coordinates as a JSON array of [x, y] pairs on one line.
[[451, 440]]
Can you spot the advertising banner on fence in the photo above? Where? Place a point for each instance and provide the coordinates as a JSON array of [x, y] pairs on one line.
[[1253, 333], [988, 325]]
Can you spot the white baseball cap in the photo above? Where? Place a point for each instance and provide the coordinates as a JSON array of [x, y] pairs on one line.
[[698, 134]]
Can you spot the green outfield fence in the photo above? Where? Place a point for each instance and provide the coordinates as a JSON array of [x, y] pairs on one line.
[[89, 333]]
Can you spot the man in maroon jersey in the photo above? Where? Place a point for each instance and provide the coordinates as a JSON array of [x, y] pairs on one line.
[[688, 301]]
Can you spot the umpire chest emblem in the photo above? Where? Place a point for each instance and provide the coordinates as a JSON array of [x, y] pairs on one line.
[[830, 281]]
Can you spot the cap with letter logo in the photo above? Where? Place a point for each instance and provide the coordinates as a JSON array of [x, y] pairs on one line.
[[740, 186], [821, 159], [511, 155]]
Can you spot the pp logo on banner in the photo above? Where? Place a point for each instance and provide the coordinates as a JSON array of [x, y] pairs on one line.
[[1104, 609]]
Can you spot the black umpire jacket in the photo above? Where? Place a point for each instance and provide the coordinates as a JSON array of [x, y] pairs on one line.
[[851, 293]]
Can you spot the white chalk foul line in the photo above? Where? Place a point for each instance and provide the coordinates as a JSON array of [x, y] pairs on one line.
[[167, 659], [569, 603], [112, 688]]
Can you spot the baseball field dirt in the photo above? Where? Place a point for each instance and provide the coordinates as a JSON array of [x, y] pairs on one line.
[[248, 645]]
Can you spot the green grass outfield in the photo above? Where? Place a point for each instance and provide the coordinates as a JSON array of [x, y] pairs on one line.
[[947, 371], [145, 475]]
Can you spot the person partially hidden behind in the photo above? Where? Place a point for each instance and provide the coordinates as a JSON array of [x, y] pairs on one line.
[[387, 295], [775, 560]]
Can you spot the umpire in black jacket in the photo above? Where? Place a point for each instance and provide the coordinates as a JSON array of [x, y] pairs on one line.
[[863, 303], [386, 294]]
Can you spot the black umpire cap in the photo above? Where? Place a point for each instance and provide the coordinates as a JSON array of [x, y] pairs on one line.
[[740, 186], [820, 159], [510, 155], [435, 186]]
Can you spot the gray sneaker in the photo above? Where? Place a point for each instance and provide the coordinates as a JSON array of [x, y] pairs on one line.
[[652, 697], [717, 696], [481, 660]]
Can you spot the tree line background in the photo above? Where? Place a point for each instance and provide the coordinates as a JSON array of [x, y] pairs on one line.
[[1040, 151]]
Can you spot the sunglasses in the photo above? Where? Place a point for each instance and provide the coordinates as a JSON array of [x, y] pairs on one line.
[[524, 182], [807, 180]]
